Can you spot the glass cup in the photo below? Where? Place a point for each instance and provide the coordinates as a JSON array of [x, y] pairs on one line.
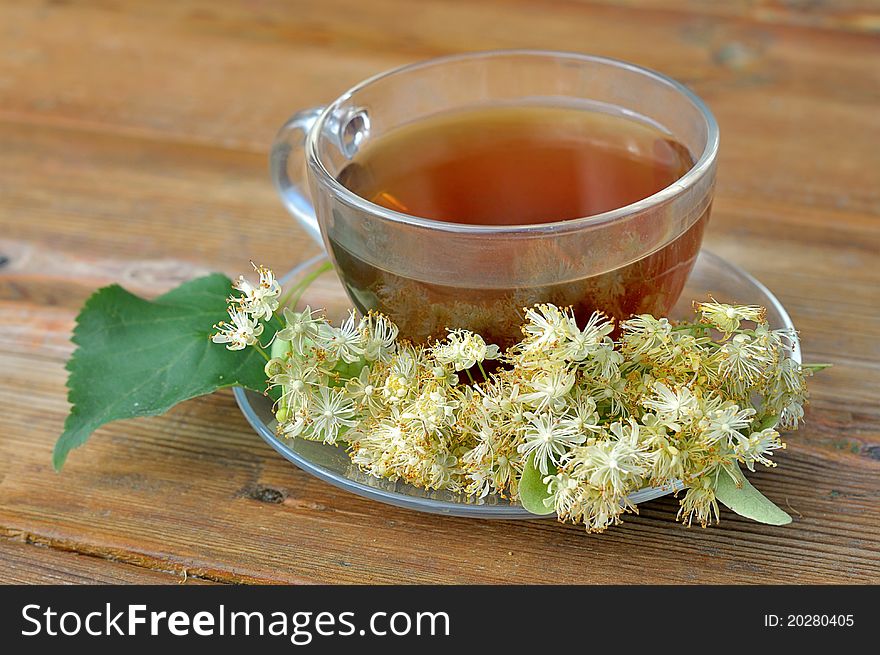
[[429, 275]]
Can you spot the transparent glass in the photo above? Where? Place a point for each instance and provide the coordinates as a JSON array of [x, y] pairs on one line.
[[711, 275], [429, 275]]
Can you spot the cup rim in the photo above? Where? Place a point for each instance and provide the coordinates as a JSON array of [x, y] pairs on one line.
[[703, 163]]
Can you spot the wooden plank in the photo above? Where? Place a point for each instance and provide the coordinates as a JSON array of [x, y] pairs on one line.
[[851, 15], [768, 85], [23, 563]]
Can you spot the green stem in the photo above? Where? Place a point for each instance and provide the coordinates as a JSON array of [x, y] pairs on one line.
[[690, 326], [483, 371], [816, 367], [293, 295], [262, 352], [470, 377]]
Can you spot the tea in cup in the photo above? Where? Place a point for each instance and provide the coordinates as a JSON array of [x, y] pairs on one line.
[[455, 192]]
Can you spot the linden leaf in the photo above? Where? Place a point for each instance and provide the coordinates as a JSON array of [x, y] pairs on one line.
[[532, 488], [747, 501], [136, 357]]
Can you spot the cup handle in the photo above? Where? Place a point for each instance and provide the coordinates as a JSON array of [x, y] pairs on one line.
[[289, 174]]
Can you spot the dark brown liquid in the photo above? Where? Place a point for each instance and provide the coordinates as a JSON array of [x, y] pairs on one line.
[[517, 166]]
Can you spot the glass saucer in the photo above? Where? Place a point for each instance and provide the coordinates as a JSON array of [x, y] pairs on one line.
[[711, 275]]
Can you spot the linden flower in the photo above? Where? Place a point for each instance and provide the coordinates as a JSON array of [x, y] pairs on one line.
[[548, 438], [344, 343], [297, 380], [301, 328], [242, 332], [363, 392], [260, 300], [433, 409], [581, 503], [727, 423], [584, 343], [744, 359], [379, 336], [727, 318], [759, 447], [665, 402], [614, 464], [563, 492], [295, 426], [605, 361], [582, 417], [444, 375], [646, 335], [442, 472], [548, 389], [699, 503], [463, 349], [330, 412], [546, 326], [669, 405], [792, 413]]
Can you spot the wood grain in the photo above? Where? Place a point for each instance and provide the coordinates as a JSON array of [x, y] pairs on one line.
[[133, 140], [23, 563]]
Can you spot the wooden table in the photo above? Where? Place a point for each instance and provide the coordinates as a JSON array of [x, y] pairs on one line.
[[133, 142]]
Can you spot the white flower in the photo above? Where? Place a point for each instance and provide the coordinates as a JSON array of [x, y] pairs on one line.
[[671, 406], [759, 447], [444, 375], [297, 380], [295, 426], [546, 326], [379, 337], [548, 388], [442, 470], [605, 361], [581, 344], [549, 439], [463, 349], [260, 300], [330, 411], [699, 503], [345, 342], [727, 317], [614, 464], [563, 492], [363, 392], [613, 393], [301, 328], [242, 332], [646, 335], [727, 423], [433, 409], [401, 382], [744, 359], [792, 412], [791, 376], [582, 417]]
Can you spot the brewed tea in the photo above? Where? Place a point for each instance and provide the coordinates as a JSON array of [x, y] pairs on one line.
[[516, 165], [509, 166]]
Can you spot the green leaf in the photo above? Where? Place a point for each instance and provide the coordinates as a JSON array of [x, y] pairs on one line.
[[136, 357], [533, 490], [747, 501]]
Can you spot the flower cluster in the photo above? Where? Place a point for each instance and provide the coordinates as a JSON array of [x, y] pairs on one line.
[[598, 417], [256, 302]]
